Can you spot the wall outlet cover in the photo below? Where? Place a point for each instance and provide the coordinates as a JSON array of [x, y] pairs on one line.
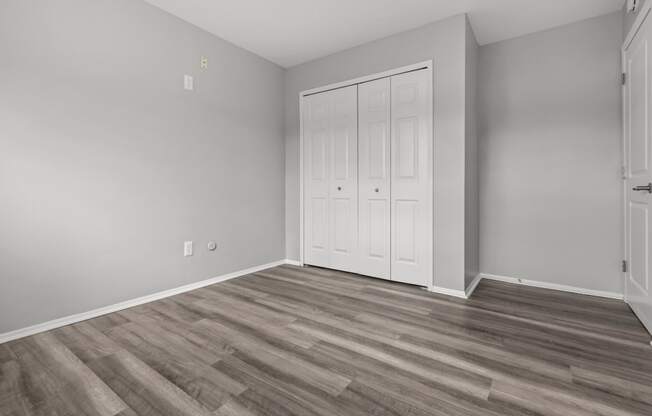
[[188, 83], [187, 249]]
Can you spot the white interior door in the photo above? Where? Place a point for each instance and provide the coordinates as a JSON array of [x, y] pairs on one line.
[[330, 137], [411, 178], [316, 136], [344, 178], [374, 180], [638, 92]]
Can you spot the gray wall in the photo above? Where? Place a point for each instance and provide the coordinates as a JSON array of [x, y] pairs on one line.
[[471, 210], [550, 137], [444, 43], [107, 165]]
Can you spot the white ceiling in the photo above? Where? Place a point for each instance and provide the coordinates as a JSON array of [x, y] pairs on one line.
[[290, 32]]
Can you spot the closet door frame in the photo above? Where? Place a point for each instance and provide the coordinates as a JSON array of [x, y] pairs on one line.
[[419, 66]]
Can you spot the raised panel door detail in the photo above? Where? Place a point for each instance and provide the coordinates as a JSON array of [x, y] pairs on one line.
[[378, 222], [341, 159], [640, 245], [377, 100], [342, 225], [407, 93], [407, 148], [319, 223], [377, 151], [405, 231], [318, 160], [639, 122]]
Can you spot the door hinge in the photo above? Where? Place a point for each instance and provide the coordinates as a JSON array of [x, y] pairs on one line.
[[624, 266], [624, 78]]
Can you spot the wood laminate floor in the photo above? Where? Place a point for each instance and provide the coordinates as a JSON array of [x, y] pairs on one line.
[[308, 341]]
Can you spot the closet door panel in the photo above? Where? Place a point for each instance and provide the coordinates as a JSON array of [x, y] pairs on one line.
[[343, 181], [374, 168], [316, 131], [411, 178], [405, 218]]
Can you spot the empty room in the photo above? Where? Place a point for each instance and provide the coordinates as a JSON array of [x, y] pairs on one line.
[[325, 207]]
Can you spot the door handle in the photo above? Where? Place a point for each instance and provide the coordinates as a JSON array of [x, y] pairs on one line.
[[376, 190], [339, 188], [647, 188]]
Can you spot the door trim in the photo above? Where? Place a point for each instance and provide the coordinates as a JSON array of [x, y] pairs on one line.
[[385, 74], [642, 15], [425, 66], [640, 19]]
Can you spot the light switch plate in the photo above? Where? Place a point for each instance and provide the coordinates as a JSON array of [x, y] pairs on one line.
[[187, 249], [188, 83]]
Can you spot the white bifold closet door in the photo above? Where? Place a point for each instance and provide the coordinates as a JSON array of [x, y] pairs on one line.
[[374, 171], [368, 199], [411, 178], [331, 158]]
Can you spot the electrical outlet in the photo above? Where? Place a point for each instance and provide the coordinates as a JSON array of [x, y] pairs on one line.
[[203, 64], [187, 249], [188, 83]]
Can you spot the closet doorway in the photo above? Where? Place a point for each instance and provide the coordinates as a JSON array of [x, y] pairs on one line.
[[366, 149]]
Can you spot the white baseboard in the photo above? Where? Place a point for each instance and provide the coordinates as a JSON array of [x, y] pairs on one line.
[[553, 286], [463, 294], [72, 319], [449, 292], [474, 284], [647, 324]]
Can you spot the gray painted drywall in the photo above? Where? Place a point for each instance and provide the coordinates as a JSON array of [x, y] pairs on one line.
[[107, 165], [444, 43], [471, 206], [550, 138]]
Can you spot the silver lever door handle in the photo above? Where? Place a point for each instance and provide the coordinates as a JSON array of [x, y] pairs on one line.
[[647, 188]]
